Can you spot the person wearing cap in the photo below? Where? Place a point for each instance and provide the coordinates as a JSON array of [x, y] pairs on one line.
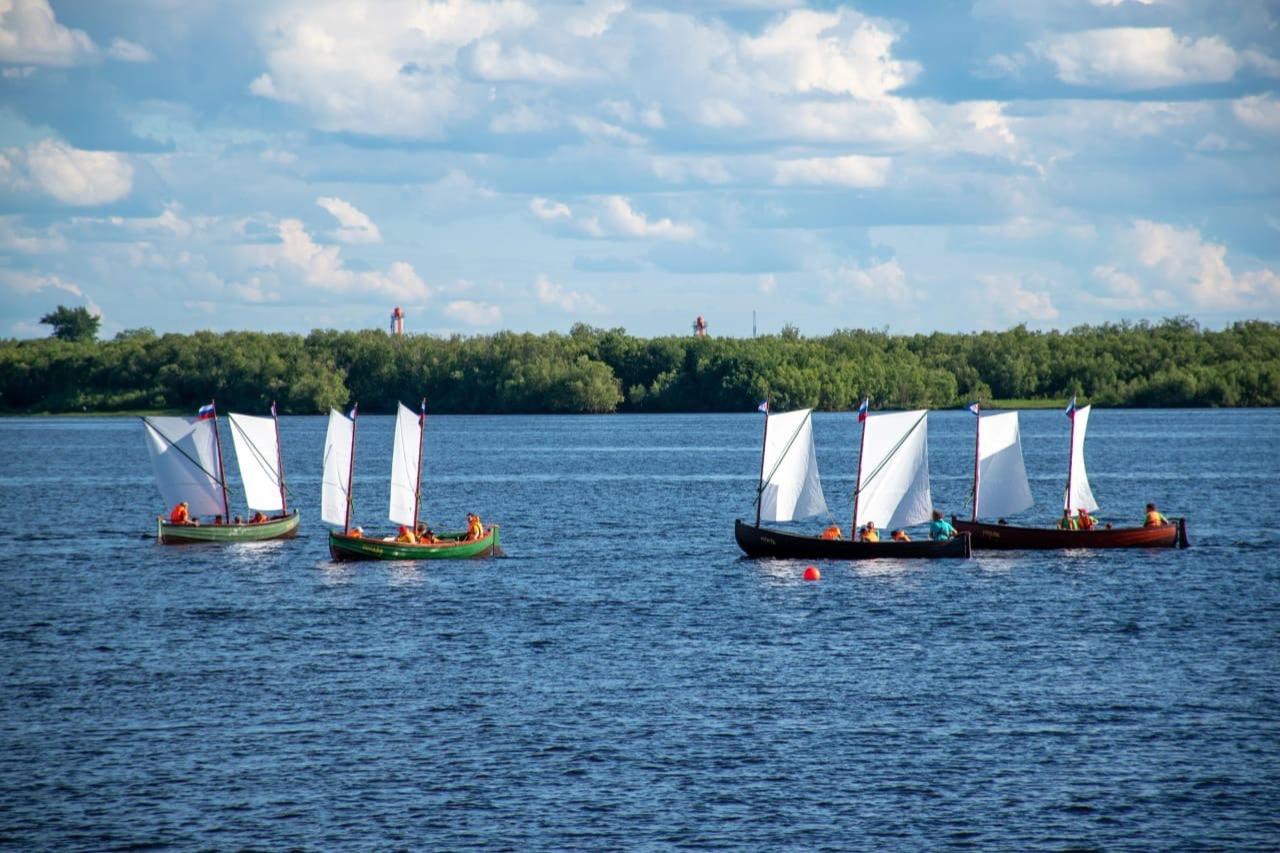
[[180, 514], [406, 536], [869, 533]]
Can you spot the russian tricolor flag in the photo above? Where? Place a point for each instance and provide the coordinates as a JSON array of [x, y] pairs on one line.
[[205, 413], [862, 409], [1071, 408], [352, 414], [763, 407], [422, 413], [974, 409]]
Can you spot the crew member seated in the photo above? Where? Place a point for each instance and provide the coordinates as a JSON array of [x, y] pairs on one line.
[[900, 536], [940, 528], [406, 536], [180, 514], [833, 532], [869, 533], [1085, 521], [1154, 518], [258, 517], [217, 521], [1066, 522], [475, 530], [426, 536]]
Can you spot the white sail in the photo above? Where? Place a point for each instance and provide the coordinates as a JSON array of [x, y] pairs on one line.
[[404, 466], [1079, 495], [258, 455], [335, 488], [792, 489], [894, 471], [1002, 476], [184, 452]]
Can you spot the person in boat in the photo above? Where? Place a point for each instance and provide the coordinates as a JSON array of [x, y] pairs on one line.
[[217, 521], [356, 533], [1154, 518], [258, 517], [239, 520], [899, 536], [406, 536], [426, 536], [1066, 522], [940, 529], [475, 530], [833, 532], [1085, 521], [180, 514], [869, 533]]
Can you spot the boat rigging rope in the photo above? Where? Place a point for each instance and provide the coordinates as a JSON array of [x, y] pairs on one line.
[[193, 461], [858, 488], [765, 481]]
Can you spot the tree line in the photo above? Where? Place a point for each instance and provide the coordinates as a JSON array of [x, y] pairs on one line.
[[1170, 363]]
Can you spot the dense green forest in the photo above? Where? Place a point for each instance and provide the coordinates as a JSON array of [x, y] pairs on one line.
[[1172, 363]]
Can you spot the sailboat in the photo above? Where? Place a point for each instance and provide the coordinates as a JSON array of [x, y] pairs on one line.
[[893, 491], [406, 493], [187, 456], [1000, 488]]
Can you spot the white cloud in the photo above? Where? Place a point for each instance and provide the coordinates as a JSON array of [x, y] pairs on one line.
[[520, 119], [27, 283], [850, 171], [356, 226], [611, 216], [1260, 112], [323, 267], [491, 61], [127, 51], [884, 281], [474, 313], [1008, 296], [1118, 283], [767, 283], [568, 301], [70, 175], [1186, 263], [594, 19], [15, 238], [1264, 63], [680, 170], [30, 33], [1138, 58]]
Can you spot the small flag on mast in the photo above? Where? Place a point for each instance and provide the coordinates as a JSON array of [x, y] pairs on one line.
[[1071, 408], [273, 408], [763, 407], [205, 412], [422, 412], [974, 409], [352, 414], [862, 409]]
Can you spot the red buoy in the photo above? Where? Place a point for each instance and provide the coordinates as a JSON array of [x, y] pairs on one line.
[[812, 574]]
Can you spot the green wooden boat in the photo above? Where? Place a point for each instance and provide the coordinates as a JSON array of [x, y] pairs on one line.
[[273, 528], [450, 547]]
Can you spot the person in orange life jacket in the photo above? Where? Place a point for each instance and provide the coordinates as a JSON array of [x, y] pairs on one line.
[[406, 536], [900, 536], [1085, 521], [1154, 518], [833, 532], [426, 536], [869, 533], [180, 514], [475, 530], [257, 517]]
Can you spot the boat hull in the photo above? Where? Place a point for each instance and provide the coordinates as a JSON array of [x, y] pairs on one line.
[[452, 547], [1010, 538], [187, 534], [765, 542]]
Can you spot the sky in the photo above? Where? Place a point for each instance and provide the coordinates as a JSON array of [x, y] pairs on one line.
[[285, 165]]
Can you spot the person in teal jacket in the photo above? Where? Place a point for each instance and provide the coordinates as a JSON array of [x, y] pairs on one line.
[[940, 528]]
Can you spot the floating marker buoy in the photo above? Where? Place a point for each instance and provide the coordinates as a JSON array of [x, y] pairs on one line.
[[812, 574]]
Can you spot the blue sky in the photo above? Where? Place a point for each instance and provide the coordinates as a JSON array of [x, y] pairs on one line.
[[297, 164]]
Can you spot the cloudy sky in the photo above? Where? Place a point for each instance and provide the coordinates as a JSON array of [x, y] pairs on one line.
[[294, 164]]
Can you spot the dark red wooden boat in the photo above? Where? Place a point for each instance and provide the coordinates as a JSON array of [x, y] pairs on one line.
[[1011, 538], [766, 542]]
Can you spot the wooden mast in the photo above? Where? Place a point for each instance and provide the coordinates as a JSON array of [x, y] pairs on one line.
[[763, 443], [977, 428], [1071, 454], [857, 484], [346, 525], [284, 501], [222, 474], [417, 489]]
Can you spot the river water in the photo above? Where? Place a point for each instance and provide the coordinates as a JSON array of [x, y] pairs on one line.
[[623, 677]]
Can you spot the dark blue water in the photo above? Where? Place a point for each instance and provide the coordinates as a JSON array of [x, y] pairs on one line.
[[623, 678]]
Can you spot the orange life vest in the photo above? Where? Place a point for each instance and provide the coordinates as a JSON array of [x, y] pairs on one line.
[[871, 535], [901, 537], [179, 515], [833, 532], [1155, 519]]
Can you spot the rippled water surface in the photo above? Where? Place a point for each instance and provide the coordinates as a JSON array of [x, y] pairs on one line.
[[623, 678]]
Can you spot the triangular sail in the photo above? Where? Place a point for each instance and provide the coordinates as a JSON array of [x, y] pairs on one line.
[[257, 453], [893, 481], [405, 467], [1079, 495], [792, 488], [1002, 475], [335, 487], [184, 453]]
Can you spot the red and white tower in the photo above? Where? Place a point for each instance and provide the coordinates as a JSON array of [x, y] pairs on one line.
[[397, 321], [700, 327]]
